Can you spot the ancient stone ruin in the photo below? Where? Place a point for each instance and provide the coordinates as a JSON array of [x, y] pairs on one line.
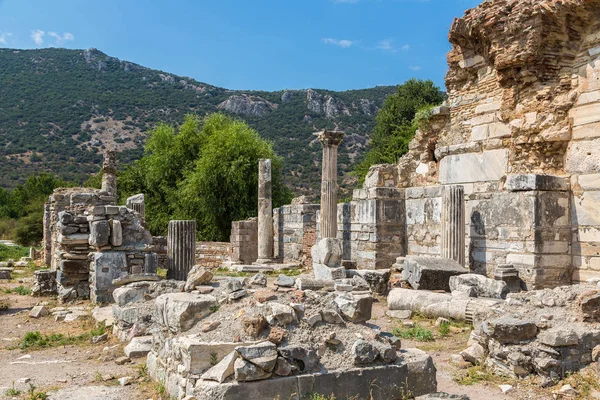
[[492, 217]]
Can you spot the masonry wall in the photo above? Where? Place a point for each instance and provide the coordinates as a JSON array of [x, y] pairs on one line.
[[212, 254], [295, 231], [244, 241]]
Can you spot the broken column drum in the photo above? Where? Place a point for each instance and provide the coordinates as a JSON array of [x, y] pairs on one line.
[[137, 203], [265, 212], [109, 173], [181, 246], [329, 185], [453, 223]]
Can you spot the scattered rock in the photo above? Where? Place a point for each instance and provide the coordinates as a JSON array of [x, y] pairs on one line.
[[126, 380], [364, 352], [559, 336], [354, 307], [399, 314], [388, 354], [259, 279], [332, 316], [122, 360], [284, 281], [181, 311], [233, 285], [223, 370], [313, 319], [210, 326], [262, 296], [475, 354], [430, 273], [276, 335], [139, 347], [254, 325], [506, 388], [479, 285], [205, 289], [100, 338], [246, 371], [263, 355], [284, 314], [567, 390], [197, 276], [443, 396], [282, 368], [238, 294], [38, 312], [589, 304], [510, 330], [304, 360]]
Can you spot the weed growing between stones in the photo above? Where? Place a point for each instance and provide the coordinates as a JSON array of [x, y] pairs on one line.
[[474, 375], [12, 392], [36, 341], [214, 358], [142, 371], [584, 381], [22, 290], [33, 394], [444, 329], [417, 333]]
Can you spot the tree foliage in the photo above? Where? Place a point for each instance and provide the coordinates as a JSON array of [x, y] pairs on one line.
[[394, 126], [206, 170]]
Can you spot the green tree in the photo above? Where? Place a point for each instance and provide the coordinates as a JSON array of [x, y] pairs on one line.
[[204, 170], [394, 127]]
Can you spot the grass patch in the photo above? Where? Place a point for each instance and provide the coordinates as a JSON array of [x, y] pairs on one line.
[[226, 272], [474, 375], [317, 396], [22, 290], [418, 333], [288, 272], [584, 382], [36, 341], [444, 329], [33, 394], [13, 252], [12, 392], [162, 272]]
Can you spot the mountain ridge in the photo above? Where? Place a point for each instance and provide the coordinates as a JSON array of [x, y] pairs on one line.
[[59, 108]]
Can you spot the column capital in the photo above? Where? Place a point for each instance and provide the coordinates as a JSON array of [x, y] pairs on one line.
[[330, 138]]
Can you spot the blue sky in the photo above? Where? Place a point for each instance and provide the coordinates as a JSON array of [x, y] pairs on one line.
[[250, 44]]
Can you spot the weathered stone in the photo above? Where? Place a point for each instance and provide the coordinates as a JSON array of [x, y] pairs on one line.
[[263, 355], [116, 233], [254, 325], [197, 276], [453, 223], [284, 281], [223, 370], [282, 368], [329, 185], [482, 286], [5, 273], [276, 335], [475, 354], [210, 326], [400, 314], [474, 167], [377, 280], [304, 360], [332, 316], [139, 347], [528, 182], [324, 273], [245, 371], [313, 284], [99, 234], [233, 285], [130, 294], [329, 252], [428, 273], [388, 354], [313, 319], [181, 249], [356, 308], [132, 278], [510, 330], [559, 336], [38, 312], [590, 306], [265, 212], [181, 311], [259, 279], [364, 352], [284, 314], [443, 396], [238, 294], [122, 360]]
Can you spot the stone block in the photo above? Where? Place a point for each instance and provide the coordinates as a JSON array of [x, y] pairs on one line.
[[585, 209], [355, 308], [483, 286], [474, 167], [582, 157], [197, 276], [130, 294], [328, 251], [181, 311], [324, 273], [528, 182], [429, 273], [139, 347], [510, 330], [38, 312], [116, 233], [5, 273], [559, 336], [99, 233], [586, 114]]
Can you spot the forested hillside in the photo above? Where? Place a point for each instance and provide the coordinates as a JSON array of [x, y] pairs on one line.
[[59, 108]]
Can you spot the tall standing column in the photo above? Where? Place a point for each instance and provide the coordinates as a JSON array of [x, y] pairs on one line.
[[265, 212], [109, 173], [329, 185], [181, 249], [453, 223]]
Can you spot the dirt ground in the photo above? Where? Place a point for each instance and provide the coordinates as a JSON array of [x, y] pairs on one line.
[[88, 371]]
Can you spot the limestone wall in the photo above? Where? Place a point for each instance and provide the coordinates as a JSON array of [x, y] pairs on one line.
[[295, 228], [212, 254], [244, 241]]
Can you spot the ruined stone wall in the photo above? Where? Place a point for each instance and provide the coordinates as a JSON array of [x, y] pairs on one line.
[[294, 228], [159, 246], [212, 254], [244, 241]]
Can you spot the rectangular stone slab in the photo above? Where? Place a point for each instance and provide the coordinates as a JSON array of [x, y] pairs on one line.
[[415, 375], [430, 273]]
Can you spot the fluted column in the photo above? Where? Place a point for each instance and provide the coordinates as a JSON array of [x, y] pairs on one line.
[[109, 173], [265, 212], [329, 185], [181, 249], [137, 203], [453, 223]]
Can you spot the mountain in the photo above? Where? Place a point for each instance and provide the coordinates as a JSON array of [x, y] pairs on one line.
[[59, 108]]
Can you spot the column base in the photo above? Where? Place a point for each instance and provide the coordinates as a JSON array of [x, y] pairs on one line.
[[265, 261]]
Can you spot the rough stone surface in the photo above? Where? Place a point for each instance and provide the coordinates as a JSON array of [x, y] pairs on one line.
[[304, 360], [364, 352], [223, 370], [428, 273], [263, 355], [510, 330], [356, 308], [138, 347], [197, 276], [482, 286], [181, 311]]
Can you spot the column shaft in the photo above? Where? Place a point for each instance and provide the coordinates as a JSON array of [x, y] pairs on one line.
[[181, 249], [453, 223], [265, 211]]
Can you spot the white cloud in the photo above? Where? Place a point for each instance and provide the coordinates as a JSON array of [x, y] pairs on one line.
[[415, 67], [389, 46], [38, 37], [66, 36], [4, 37], [339, 42]]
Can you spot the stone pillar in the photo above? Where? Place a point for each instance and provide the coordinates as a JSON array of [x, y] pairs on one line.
[[329, 185], [265, 212], [137, 203], [47, 222], [109, 173], [181, 249], [453, 223]]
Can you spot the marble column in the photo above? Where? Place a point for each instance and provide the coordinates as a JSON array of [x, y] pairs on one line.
[[181, 249], [109, 173], [137, 203], [453, 223], [47, 222], [329, 186], [265, 212]]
